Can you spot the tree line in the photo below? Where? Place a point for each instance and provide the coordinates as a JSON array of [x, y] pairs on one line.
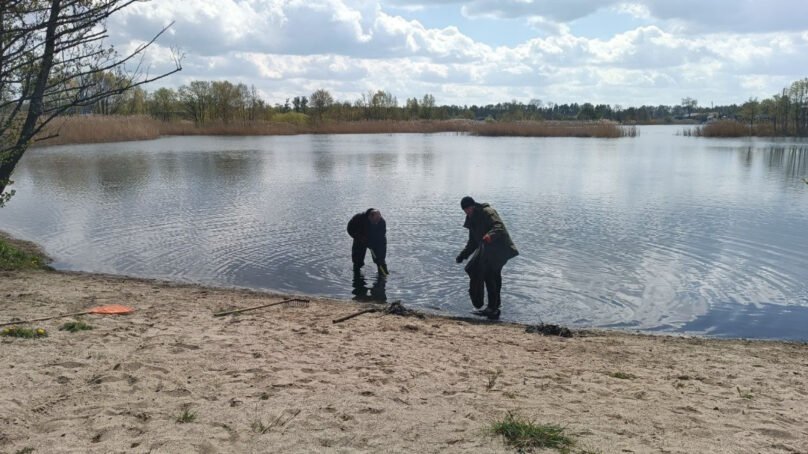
[[223, 101]]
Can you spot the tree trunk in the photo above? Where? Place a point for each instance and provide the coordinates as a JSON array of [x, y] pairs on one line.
[[35, 108]]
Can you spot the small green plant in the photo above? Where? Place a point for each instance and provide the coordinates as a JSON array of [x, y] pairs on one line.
[[492, 379], [743, 394], [78, 325], [228, 309], [14, 259], [27, 333], [186, 416], [623, 376], [523, 434], [259, 427], [509, 394], [25, 450]]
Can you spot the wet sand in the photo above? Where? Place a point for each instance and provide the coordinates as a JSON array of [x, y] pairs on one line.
[[286, 379]]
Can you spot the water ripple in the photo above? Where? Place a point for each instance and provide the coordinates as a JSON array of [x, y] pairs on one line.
[[655, 233]]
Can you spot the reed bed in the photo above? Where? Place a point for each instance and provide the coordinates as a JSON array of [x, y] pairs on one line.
[[241, 128], [95, 129], [732, 128], [723, 128], [99, 128], [553, 129], [388, 127]]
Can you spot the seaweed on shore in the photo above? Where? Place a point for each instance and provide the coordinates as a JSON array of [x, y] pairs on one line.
[[549, 330]]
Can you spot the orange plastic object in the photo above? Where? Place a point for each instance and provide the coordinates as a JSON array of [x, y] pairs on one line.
[[112, 309]]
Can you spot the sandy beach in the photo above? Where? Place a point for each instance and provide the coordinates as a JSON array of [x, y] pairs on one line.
[[286, 379]]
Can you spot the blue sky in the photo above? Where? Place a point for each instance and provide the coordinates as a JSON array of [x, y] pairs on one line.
[[629, 53]]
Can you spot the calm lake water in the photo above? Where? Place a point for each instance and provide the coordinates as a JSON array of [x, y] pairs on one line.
[[657, 233]]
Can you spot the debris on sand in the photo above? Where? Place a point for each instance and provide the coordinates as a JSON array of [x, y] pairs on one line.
[[549, 330], [396, 308]]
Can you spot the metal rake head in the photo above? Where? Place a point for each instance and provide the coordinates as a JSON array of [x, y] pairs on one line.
[[296, 302]]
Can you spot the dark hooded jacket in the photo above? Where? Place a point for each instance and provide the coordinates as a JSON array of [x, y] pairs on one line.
[[367, 234], [485, 220]]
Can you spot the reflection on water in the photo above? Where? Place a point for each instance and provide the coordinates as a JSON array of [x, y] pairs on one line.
[[375, 293], [659, 232]]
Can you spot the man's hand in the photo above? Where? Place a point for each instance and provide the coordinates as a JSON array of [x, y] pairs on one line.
[[363, 239], [459, 259], [487, 238]]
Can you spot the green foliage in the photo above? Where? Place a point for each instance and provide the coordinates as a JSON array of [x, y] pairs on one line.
[[523, 434], [26, 333], [25, 450], [13, 259], [78, 325], [186, 416], [295, 118]]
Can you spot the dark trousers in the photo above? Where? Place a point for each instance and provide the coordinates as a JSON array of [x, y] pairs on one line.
[[491, 280], [359, 250]]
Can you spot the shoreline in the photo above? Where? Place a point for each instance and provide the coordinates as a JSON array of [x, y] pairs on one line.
[[31, 247], [288, 378]]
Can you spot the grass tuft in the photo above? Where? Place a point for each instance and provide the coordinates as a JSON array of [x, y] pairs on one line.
[[523, 434], [186, 416], [26, 333], [78, 325], [743, 394], [25, 450], [492, 379], [259, 427], [622, 376], [15, 259]]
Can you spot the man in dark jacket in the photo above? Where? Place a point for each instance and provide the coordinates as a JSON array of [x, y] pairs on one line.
[[368, 230], [492, 247]]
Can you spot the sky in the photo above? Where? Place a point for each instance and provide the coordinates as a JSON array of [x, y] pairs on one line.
[[626, 53]]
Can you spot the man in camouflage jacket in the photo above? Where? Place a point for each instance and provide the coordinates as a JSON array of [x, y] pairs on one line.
[[492, 247]]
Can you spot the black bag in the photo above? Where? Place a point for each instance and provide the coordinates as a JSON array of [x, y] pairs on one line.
[[475, 268]]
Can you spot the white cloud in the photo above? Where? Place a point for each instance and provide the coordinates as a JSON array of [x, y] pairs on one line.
[[291, 47], [696, 15]]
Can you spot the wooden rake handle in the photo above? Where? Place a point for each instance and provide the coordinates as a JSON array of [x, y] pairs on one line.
[[355, 314], [22, 322], [219, 314]]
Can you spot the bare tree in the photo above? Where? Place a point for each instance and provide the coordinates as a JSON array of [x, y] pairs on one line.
[[689, 104], [321, 100], [52, 56]]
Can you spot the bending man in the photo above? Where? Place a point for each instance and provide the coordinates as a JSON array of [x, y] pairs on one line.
[[492, 247], [368, 230]]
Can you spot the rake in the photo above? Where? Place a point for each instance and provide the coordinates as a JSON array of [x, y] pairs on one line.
[[290, 301]]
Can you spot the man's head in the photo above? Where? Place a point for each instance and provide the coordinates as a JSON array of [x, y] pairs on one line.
[[374, 216], [467, 204]]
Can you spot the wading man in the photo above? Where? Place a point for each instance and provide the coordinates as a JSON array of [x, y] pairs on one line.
[[369, 231], [492, 247]]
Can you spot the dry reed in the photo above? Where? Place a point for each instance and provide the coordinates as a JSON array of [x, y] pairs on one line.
[[732, 128], [723, 128], [95, 129], [553, 129], [99, 128]]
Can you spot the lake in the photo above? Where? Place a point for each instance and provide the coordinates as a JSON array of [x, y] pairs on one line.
[[659, 232]]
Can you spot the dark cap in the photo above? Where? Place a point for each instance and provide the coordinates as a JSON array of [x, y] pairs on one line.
[[466, 202]]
